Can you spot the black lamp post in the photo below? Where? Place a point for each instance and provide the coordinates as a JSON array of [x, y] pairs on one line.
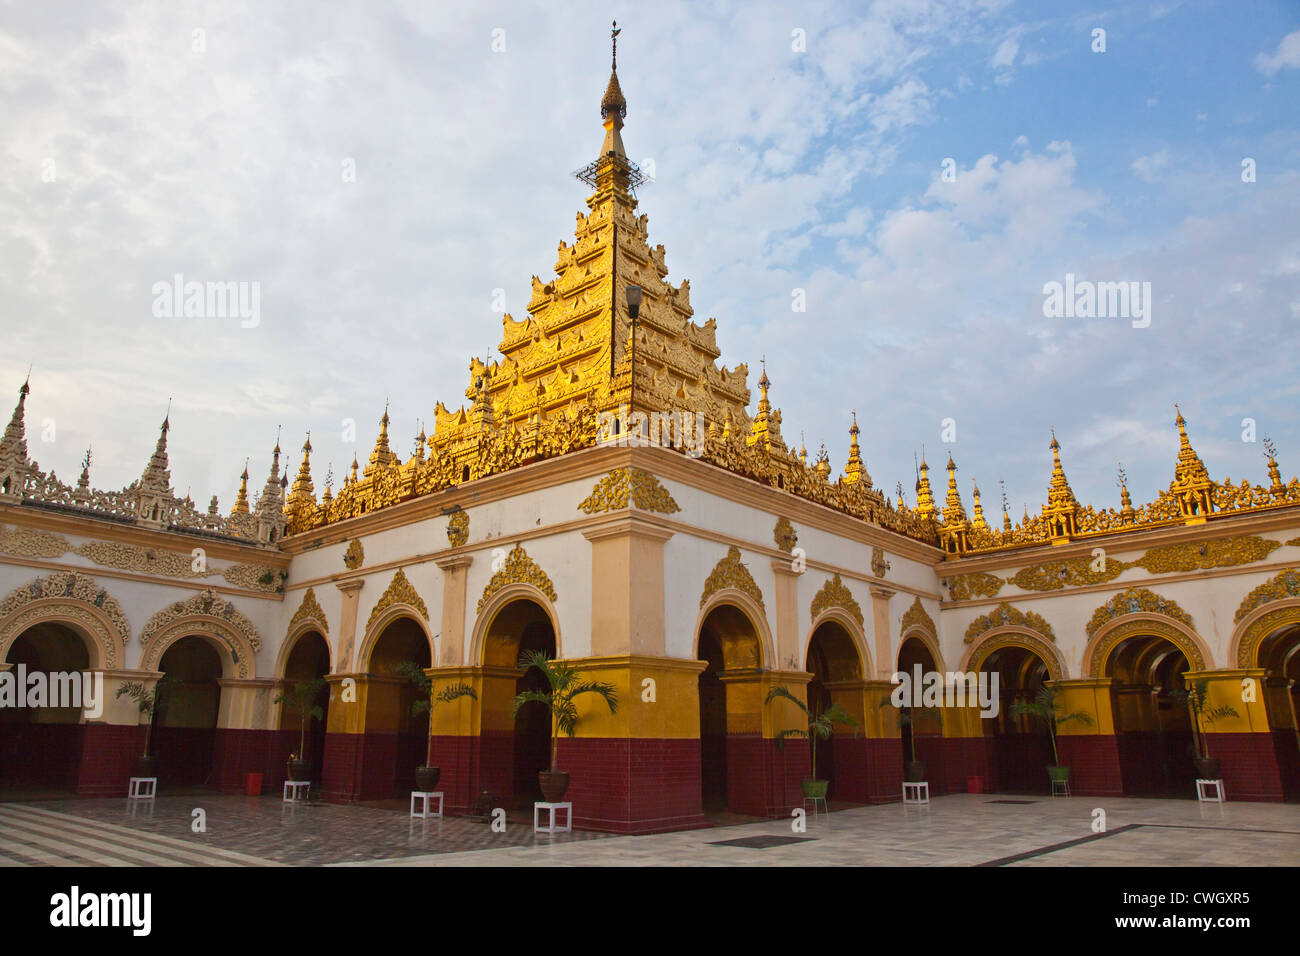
[[633, 293]]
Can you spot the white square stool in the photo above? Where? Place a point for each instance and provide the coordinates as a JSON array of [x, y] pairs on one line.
[[1203, 788], [142, 788], [553, 826], [425, 797], [918, 792], [295, 790]]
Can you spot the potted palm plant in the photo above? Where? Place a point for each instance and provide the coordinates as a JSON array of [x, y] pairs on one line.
[[913, 769], [565, 687], [820, 726], [300, 700], [426, 777], [1045, 708], [1197, 698], [151, 701]]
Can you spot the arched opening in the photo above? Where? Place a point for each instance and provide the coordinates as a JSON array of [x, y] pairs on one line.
[[832, 658], [921, 728], [1279, 655], [309, 659], [1153, 729], [40, 747], [1019, 748], [515, 748], [184, 733], [396, 740], [731, 720]]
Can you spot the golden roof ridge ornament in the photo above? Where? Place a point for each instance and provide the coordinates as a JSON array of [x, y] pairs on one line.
[[1062, 510]]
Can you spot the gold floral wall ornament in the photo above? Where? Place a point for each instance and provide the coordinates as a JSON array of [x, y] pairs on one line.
[[399, 591], [355, 555], [916, 616], [458, 528], [255, 577], [31, 543], [1277, 588], [1199, 555], [518, 568], [1293, 543], [309, 610], [74, 589], [1137, 601], [879, 566], [1004, 615], [834, 593], [623, 485], [207, 604], [784, 534], [731, 573], [962, 587], [1069, 573]]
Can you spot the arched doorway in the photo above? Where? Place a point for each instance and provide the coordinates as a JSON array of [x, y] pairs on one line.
[[921, 729], [833, 658], [1153, 729], [309, 659], [1279, 655], [731, 720], [396, 740], [185, 731], [40, 748], [1019, 748], [515, 747]]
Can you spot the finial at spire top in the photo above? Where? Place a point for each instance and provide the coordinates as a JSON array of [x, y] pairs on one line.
[[614, 31]]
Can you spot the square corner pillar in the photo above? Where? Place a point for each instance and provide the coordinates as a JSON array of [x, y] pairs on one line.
[[627, 587], [787, 612], [884, 656], [351, 591], [455, 581]]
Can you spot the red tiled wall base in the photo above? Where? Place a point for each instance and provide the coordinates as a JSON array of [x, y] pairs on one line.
[[237, 753], [1094, 764], [884, 762], [372, 766], [761, 780], [186, 755], [108, 753], [43, 754], [633, 786], [341, 775], [456, 759], [1288, 762], [1248, 763]]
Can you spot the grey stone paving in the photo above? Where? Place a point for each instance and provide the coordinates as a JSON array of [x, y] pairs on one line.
[[956, 830]]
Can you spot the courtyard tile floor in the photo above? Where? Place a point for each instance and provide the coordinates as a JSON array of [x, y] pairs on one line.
[[955, 830]]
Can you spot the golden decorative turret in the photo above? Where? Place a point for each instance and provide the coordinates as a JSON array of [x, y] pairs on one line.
[[1127, 514], [241, 500], [1061, 513], [152, 495], [1277, 489], [327, 498], [822, 469], [300, 506], [925, 507], [954, 533], [1191, 486], [854, 470], [977, 510], [953, 509], [14, 464], [382, 456]]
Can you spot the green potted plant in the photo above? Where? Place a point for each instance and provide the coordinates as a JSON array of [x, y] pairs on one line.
[[565, 687], [426, 777], [1045, 708], [1197, 698], [913, 769], [820, 726], [300, 700], [151, 702]]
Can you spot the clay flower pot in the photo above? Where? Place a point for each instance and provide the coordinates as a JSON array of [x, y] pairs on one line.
[[426, 779], [555, 784]]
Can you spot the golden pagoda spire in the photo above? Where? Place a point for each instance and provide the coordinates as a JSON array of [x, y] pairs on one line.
[[1191, 486], [822, 469], [1276, 488], [854, 471], [1126, 513], [1062, 510], [925, 507], [300, 506], [978, 510], [953, 509], [353, 479], [803, 450], [1006, 511], [613, 107], [241, 500], [382, 456], [763, 429], [327, 498], [157, 473]]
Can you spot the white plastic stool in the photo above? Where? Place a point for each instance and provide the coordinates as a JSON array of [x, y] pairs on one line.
[[918, 792], [295, 790], [142, 788], [1063, 785], [814, 801], [553, 825], [1203, 787], [425, 797]]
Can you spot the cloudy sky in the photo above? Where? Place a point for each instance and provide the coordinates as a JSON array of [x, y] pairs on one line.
[[380, 168]]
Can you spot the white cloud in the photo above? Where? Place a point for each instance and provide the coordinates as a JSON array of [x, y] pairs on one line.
[[1150, 168], [1286, 56]]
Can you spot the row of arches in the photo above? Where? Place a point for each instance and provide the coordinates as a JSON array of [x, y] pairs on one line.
[[1145, 667]]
